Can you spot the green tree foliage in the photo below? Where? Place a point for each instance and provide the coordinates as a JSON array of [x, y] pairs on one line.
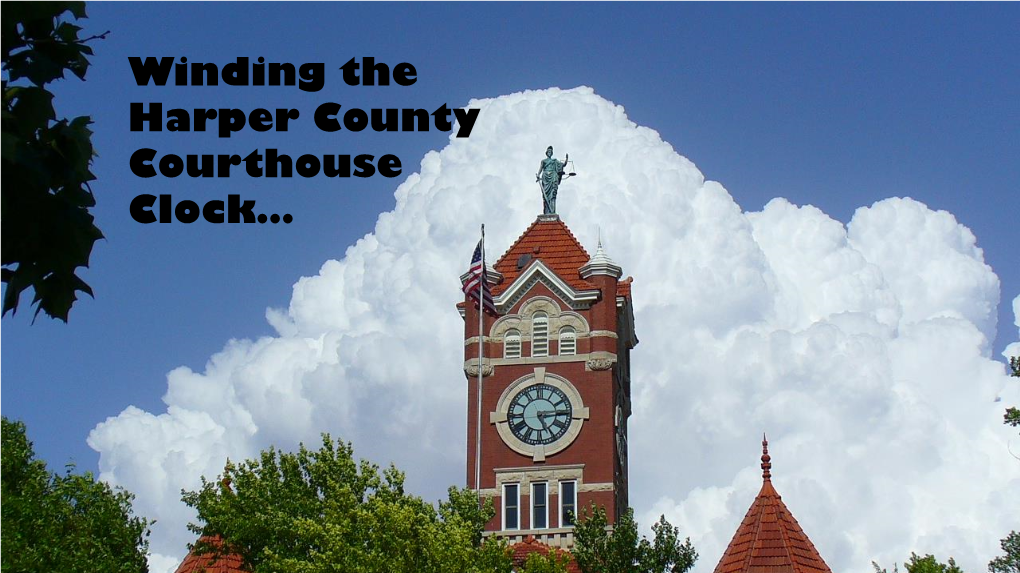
[[1012, 417], [552, 562], [322, 511], [926, 564], [597, 549], [69, 523], [47, 230], [1010, 562]]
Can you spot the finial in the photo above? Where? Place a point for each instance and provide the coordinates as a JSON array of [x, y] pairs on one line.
[[600, 263], [226, 481], [598, 229], [766, 460]]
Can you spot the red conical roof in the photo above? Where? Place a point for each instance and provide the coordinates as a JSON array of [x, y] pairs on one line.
[[549, 240], [769, 539], [521, 550], [210, 563]]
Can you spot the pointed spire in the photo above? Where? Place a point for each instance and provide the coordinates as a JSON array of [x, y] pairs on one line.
[[769, 539], [600, 263], [226, 481]]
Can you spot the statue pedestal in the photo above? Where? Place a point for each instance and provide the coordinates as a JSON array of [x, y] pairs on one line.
[[549, 217]]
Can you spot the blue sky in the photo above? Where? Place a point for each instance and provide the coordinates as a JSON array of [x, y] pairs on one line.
[[834, 105]]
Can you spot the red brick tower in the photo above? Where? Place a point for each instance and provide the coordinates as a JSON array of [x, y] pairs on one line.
[[555, 387]]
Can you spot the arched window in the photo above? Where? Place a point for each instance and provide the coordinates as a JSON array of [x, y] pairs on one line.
[[568, 341], [540, 335], [512, 344]]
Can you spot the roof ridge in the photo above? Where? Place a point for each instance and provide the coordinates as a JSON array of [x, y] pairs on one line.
[[571, 234], [552, 242], [781, 509], [558, 222], [757, 530], [800, 530]]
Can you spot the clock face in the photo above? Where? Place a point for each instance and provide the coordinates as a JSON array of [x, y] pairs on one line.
[[539, 414]]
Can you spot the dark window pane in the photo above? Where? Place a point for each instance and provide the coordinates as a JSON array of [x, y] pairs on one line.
[[538, 502], [511, 504], [568, 501]]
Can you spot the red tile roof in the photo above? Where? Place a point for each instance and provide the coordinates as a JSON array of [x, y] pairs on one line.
[[770, 540], [551, 242], [209, 563], [531, 545]]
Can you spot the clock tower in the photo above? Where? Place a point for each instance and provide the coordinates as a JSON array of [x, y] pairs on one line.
[[555, 385]]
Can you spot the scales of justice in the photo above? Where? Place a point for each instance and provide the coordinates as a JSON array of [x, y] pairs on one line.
[[550, 173]]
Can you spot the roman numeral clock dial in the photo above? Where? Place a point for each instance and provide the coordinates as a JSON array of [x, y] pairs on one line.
[[539, 414]]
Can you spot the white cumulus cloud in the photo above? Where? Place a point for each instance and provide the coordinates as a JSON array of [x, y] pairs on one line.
[[863, 350]]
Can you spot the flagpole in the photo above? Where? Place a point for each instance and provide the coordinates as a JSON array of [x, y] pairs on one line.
[[481, 342]]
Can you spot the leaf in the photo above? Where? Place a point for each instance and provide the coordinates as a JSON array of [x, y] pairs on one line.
[[77, 9], [38, 67], [67, 32], [32, 108], [47, 230]]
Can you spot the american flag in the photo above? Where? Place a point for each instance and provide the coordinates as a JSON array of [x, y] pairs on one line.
[[476, 282]]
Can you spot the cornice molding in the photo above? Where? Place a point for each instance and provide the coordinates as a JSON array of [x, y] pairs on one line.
[[539, 273]]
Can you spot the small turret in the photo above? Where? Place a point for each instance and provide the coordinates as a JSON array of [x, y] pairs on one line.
[[769, 539], [601, 264]]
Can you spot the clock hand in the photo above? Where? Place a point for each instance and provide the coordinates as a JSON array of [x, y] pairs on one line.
[[550, 412]]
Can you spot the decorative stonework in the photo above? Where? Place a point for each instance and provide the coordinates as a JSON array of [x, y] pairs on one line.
[[600, 361], [521, 321], [552, 475], [554, 359], [471, 368], [559, 537], [499, 339], [538, 453], [538, 272]]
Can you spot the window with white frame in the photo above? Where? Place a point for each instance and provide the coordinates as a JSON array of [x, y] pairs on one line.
[[568, 341], [568, 503], [512, 344], [511, 506], [540, 334], [539, 505]]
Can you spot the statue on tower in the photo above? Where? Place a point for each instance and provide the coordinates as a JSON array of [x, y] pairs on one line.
[[549, 175]]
